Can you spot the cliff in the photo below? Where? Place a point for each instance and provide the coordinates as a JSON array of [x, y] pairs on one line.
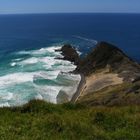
[[107, 55], [110, 76]]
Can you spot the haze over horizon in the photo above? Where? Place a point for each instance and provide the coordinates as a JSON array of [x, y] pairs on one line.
[[63, 6]]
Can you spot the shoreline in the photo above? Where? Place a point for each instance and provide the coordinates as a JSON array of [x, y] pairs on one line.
[[79, 89]]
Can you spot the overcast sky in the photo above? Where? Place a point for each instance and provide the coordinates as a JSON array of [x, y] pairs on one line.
[[68, 6]]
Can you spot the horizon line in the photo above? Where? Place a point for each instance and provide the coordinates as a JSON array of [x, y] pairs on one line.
[[70, 13]]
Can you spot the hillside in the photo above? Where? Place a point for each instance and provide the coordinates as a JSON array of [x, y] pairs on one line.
[[40, 120], [106, 55], [110, 76]]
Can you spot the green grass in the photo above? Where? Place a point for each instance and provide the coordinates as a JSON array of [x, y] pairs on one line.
[[39, 120]]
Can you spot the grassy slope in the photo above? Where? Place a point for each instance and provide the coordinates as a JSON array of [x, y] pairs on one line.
[[39, 120]]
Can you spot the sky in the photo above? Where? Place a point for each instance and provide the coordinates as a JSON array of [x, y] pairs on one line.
[[69, 6]]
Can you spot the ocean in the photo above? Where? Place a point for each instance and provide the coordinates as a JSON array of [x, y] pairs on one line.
[[28, 68]]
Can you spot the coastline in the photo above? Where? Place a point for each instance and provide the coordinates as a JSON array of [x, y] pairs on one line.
[[70, 54], [79, 89]]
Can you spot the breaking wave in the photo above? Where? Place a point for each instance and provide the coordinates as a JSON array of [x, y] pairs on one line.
[[37, 74]]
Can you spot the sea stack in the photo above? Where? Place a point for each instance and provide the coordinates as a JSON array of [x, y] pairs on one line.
[[70, 54]]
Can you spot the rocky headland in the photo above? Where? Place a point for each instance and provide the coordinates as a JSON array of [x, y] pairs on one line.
[[69, 54], [109, 76]]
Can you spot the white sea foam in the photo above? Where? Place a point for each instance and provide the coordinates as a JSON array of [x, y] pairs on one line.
[[46, 75], [48, 63], [38, 97], [80, 53], [6, 104], [48, 60], [31, 60], [15, 78], [41, 51], [22, 77], [52, 74], [37, 56], [49, 93], [45, 50], [13, 64], [53, 48], [6, 96], [63, 68], [53, 70], [71, 85], [18, 59]]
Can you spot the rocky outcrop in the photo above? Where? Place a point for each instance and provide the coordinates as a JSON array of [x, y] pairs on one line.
[[107, 55], [70, 54]]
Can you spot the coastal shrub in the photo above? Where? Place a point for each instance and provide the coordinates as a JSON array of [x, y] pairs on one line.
[[110, 121], [38, 106], [70, 106]]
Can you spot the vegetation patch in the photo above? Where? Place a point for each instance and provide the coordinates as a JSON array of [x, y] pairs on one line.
[[40, 120]]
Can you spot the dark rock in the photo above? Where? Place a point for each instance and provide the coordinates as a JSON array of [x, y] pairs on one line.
[[70, 54]]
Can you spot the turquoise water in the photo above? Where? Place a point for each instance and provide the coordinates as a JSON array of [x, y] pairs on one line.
[[36, 74], [28, 68]]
